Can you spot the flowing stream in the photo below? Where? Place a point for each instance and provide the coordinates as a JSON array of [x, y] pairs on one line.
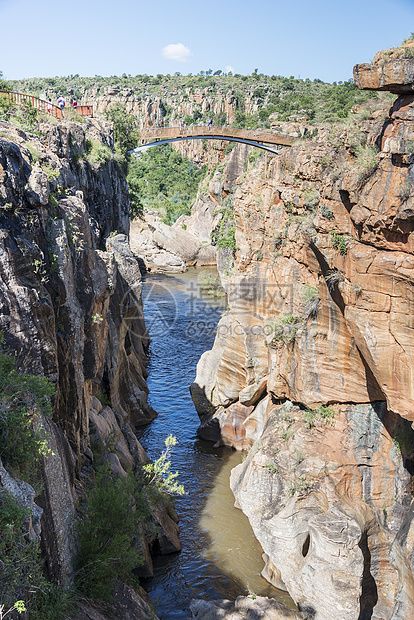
[[220, 557]]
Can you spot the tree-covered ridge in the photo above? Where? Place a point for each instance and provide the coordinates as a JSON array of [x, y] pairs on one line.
[[165, 182], [317, 100]]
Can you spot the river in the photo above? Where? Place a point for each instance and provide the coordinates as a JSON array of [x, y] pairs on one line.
[[220, 556]]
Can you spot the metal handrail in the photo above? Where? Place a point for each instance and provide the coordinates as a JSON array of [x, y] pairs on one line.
[[44, 106]]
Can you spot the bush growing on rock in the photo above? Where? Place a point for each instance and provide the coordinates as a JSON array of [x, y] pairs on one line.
[[21, 569], [224, 235], [311, 301], [339, 242], [115, 513], [321, 415], [97, 153], [118, 511], [332, 278], [23, 398], [283, 329], [125, 126]]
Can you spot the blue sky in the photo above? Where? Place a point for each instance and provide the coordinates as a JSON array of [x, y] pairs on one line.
[[315, 39]]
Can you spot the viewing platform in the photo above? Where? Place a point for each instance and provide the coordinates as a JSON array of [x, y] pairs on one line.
[[45, 106]]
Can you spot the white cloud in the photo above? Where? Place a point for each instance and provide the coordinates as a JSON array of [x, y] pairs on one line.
[[228, 68], [177, 51]]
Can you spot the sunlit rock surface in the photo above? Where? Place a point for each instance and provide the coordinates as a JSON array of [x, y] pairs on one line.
[[320, 295], [391, 70]]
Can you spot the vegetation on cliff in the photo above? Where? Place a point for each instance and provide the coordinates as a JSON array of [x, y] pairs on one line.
[[23, 442], [118, 512], [223, 236], [165, 182]]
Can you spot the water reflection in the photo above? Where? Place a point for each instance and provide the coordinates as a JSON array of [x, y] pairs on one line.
[[217, 561]]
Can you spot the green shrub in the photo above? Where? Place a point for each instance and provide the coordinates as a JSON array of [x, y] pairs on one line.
[[21, 569], [321, 415], [114, 515], [33, 152], [300, 486], [97, 153], [19, 556], [311, 198], [118, 509], [326, 213], [125, 126], [410, 38], [23, 397], [311, 301], [52, 602], [228, 149], [159, 476], [7, 108], [339, 242], [272, 467], [224, 235], [136, 208], [51, 173], [28, 115], [367, 161], [284, 329]]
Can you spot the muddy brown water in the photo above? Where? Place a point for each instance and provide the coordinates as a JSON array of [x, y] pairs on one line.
[[220, 557]]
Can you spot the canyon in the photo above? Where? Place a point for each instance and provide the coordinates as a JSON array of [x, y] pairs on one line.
[[310, 375]]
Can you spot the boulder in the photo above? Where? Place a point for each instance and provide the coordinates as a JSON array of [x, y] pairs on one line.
[[105, 429], [243, 608], [128, 605]]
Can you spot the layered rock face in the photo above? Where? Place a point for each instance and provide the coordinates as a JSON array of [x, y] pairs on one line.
[[320, 304], [71, 310], [391, 70], [152, 110], [68, 299]]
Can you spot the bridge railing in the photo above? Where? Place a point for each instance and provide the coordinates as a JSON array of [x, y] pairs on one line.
[[150, 133], [45, 106]]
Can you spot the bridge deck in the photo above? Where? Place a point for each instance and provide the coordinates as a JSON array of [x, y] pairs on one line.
[[255, 135]]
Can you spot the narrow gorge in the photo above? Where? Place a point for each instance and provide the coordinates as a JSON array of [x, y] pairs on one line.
[[306, 391]]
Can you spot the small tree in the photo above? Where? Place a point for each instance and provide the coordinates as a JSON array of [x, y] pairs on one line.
[[126, 132]]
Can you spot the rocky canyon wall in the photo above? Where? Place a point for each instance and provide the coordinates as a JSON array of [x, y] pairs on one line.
[[71, 311], [312, 366]]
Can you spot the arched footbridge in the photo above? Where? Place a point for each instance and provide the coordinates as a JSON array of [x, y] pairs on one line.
[[155, 136]]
